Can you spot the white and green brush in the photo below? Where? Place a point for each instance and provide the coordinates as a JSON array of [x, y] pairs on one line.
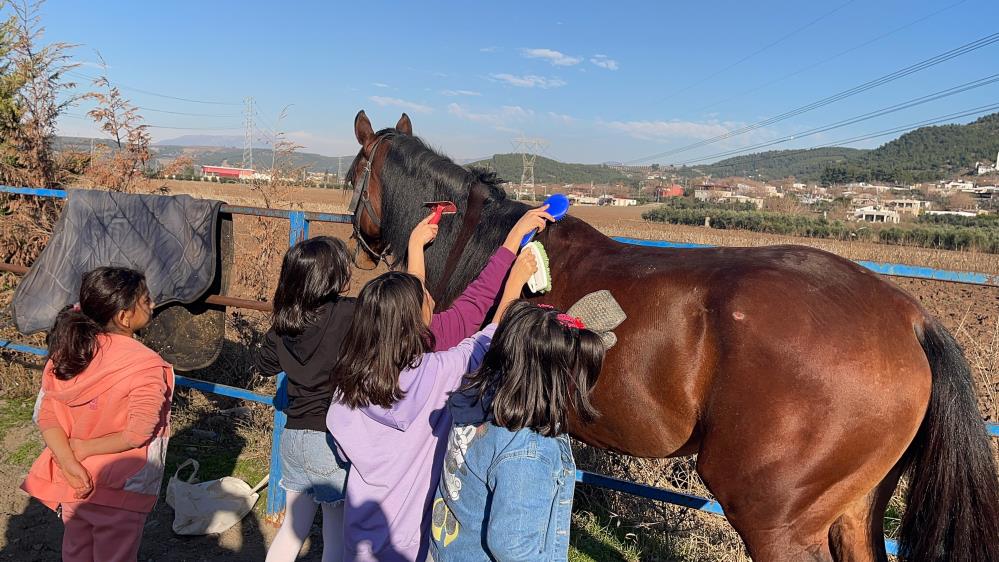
[[541, 281]]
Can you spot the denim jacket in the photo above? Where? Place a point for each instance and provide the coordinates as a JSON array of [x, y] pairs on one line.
[[503, 495]]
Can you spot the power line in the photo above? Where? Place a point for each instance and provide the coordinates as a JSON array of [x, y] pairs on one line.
[[899, 129], [88, 118], [756, 52], [901, 73], [859, 118], [833, 57], [157, 94], [188, 114], [196, 128]]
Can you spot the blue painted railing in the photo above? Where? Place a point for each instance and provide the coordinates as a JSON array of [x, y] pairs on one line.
[[892, 269], [299, 230]]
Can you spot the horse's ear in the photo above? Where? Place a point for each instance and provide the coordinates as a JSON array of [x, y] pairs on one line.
[[362, 128], [404, 126]]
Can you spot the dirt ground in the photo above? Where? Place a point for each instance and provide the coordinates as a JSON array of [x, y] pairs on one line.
[[29, 532]]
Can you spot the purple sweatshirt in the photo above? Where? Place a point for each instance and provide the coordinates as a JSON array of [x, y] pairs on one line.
[[469, 310], [396, 453]]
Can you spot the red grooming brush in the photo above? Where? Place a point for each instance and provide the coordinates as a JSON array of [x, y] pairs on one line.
[[441, 208]]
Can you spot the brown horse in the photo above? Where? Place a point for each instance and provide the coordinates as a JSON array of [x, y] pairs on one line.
[[805, 384]]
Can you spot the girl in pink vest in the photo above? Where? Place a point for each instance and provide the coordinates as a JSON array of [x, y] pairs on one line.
[[105, 418]]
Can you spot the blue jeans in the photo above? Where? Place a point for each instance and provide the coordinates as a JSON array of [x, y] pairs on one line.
[[310, 465]]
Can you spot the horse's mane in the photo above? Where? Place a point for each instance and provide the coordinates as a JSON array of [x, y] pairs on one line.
[[414, 173]]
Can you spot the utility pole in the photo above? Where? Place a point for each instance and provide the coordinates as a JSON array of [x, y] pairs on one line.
[[529, 148], [248, 134]]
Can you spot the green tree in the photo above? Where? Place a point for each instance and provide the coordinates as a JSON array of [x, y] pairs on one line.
[[9, 86], [40, 92]]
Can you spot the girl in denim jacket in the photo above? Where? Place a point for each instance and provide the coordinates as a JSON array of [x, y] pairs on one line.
[[506, 490]]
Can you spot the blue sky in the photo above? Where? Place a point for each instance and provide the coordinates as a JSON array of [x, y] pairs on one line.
[[599, 81]]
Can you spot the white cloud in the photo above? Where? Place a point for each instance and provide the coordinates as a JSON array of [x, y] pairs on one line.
[[603, 61], [453, 93], [501, 120], [396, 102], [562, 118], [529, 81], [379, 85], [489, 49], [668, 130], [555, 57]]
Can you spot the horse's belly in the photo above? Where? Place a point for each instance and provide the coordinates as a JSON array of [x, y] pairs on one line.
[[646, 409]]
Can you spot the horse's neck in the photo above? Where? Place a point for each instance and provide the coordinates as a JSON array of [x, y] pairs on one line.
[[571, 232]]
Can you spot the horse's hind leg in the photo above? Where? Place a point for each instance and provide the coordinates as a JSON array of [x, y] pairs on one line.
[[792, 501], [758, 508], [858, 534]]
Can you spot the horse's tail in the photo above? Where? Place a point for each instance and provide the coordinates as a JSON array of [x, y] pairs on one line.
[[952, 508]]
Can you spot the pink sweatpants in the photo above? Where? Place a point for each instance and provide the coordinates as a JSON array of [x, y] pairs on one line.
[[98, 533]]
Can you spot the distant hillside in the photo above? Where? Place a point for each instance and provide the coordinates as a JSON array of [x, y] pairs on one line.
[[231, 141], [218, 155], [925, 154], [778, 164], [546, 170]]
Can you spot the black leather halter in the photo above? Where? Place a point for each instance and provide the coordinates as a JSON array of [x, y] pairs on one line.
[[361, 200]]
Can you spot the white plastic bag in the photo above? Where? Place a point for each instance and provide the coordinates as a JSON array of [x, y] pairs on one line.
[[209, 507]]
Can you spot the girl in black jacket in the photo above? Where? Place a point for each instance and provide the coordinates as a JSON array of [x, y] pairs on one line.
[[310, 320]]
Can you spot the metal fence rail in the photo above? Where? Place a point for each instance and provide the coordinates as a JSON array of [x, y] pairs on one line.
[[299, 230]]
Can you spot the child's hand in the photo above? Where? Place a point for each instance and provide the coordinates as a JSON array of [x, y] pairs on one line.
[[535, 219], [79, 447], [78, 478], [424, 232], [522, 270]]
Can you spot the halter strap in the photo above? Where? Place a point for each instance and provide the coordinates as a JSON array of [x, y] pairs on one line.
[[360, 200]]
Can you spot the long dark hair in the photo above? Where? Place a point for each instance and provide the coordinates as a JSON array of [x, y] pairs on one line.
[[536, 369], [413, 173], [104, 292], [314, 272], [387, 335]]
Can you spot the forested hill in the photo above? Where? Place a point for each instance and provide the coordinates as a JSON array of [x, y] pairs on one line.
[[928, 153], [778, 164], [925, 154], [546, 170]]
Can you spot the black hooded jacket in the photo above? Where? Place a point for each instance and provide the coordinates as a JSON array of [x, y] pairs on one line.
[[308, 359]]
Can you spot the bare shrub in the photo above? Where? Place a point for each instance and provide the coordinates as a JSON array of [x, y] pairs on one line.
[[121, 166], [274, 190]]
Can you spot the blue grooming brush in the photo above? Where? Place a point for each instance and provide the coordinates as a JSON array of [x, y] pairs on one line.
[[558, 206]]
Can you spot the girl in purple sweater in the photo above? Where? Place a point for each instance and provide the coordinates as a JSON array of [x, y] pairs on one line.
[[390, 388]]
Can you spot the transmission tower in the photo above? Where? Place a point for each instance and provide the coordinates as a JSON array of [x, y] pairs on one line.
[[529, 149], [248, 134]]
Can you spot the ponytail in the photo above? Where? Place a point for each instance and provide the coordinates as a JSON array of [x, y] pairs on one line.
[[104, 292], [72, 342]]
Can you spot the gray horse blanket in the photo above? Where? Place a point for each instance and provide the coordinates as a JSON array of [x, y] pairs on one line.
[[171, 239]]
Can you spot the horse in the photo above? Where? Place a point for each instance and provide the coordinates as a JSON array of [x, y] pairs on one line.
[[806, 384]]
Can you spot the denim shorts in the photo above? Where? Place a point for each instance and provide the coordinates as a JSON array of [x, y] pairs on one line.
[[311, 465]]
